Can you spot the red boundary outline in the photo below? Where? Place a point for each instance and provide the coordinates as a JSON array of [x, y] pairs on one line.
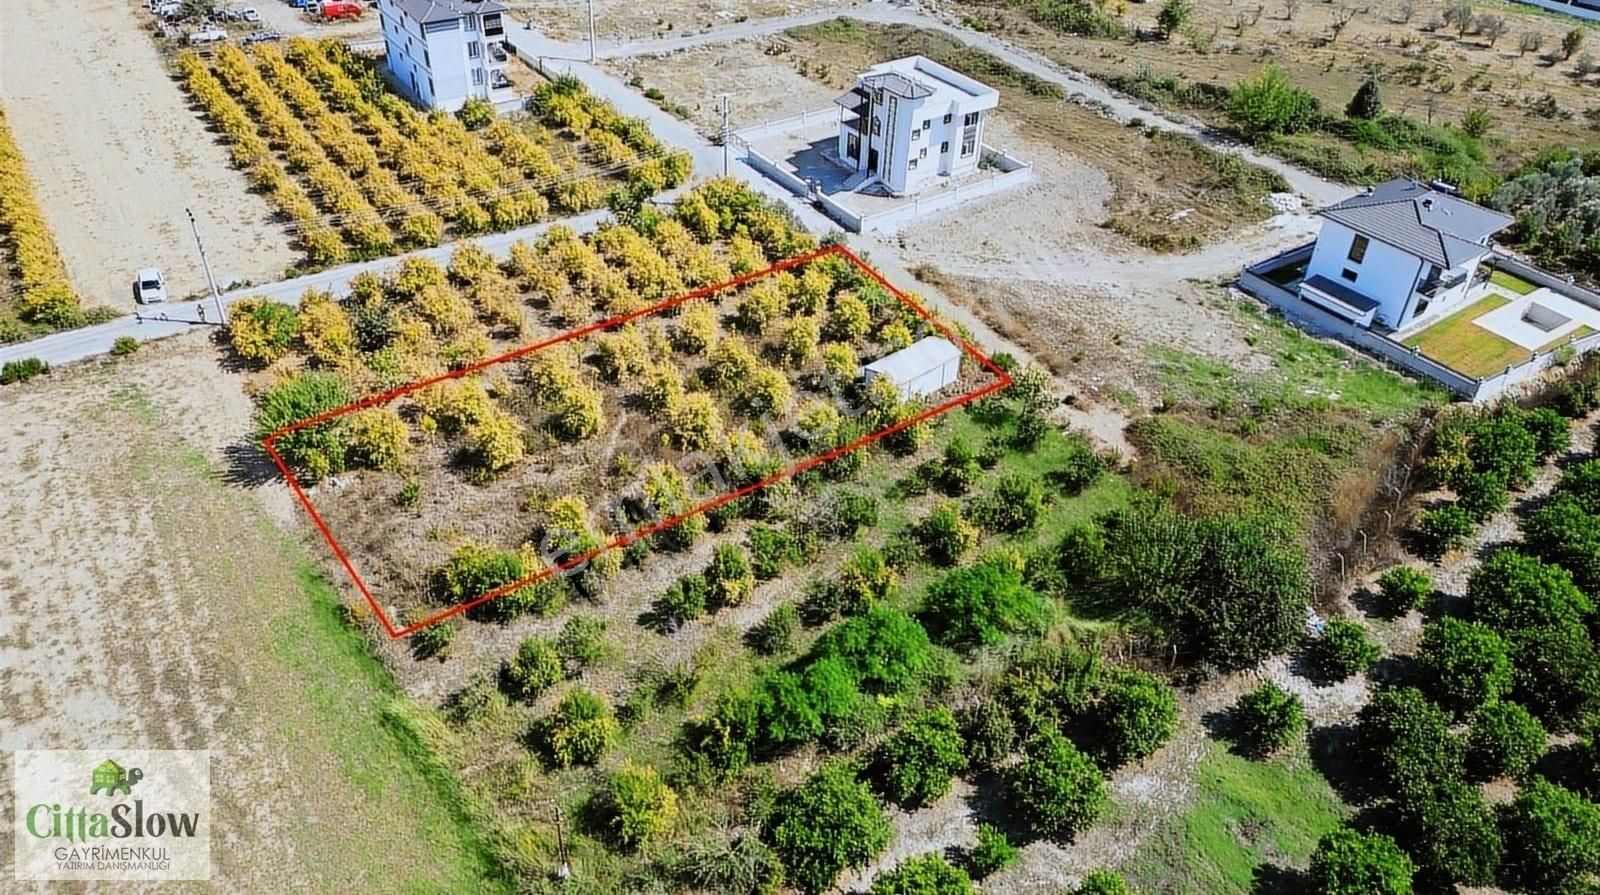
[[1003, 379]]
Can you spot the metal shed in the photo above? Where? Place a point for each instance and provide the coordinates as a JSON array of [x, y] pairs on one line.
[[920, 369]]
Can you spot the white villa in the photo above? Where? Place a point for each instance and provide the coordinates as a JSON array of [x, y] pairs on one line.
[[445, 52], [1397, 253], [910, 121]]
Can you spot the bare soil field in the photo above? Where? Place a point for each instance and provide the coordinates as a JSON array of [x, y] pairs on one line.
[[117, 156], [1429, 70], [152, 602], [624, 19]]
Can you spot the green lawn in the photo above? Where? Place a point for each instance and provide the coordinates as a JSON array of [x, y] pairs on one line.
[[1305, 371], [1247, 817], [1462, 345], [1511, 281]]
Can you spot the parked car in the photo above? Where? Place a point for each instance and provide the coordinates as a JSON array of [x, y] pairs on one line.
[[210, 34], [167, 9], [300, 4], [249, 14], [150, 286], [334, 10], [261, 37]]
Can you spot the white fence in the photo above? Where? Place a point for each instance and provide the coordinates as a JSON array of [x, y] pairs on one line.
[[773, 126], [1011, 172], [1471, 388]]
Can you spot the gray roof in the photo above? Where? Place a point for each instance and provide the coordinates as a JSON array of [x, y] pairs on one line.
[[1342, 292], [912, 361], [430, 11], [898, 84], [1431, 224]]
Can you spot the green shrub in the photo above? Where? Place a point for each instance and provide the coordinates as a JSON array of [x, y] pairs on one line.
[[1449, 832], [474, 571], [1557, 674], [886, 650], [864, 580], [1462, 665], [960, 469], [479, 701], [123, 346], [1133, 715], [683, 601], [914, 766], [1406, 741], [476, 114], [827, 824], [1348, 862], [1580, 483], [22, 370], [1015, 505], [1268, 718], [1230, 590], [1367, 101], [1079, 466], [1343, 650], [770, 551], [1552, 838], [735, 863], [433, 641], [993, 853], [639, 805], [945, 536], [989, 732], [1443, 529], [1103, 882], [1481, 494], [928, 874], [1512, 591], [1552, 432], [262, 331], [1505, 740], [1403, 588], [774, 635], [1268, 105], [578, 731], [581, 643], [729, 581], [980, 605], [534, 669], [1564, 533], [1056, 788], [316, 451]]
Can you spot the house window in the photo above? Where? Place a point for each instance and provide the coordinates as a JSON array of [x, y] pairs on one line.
[[925, 123], [911, 165], [947, 117], [877, 125], [427, 62], [969, 142], [474, 49], [852, 146], [472, 23], [916, 135], [477, 77], [923, 153], [1348, 274], [944, 148], [492, 26], [1358, 249], [971, 119]]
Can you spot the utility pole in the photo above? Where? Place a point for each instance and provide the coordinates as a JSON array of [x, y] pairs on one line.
[[727, 135], [591, 31], [222, 314]]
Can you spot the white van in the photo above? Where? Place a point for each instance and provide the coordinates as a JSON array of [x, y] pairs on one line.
[[149, 286]]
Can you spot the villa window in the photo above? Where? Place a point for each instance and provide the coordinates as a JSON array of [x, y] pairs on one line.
[[427, 59], [1348, 274], [923, 153], [472, 24], [971, 119], [1358, 249], [926, 123], [911, 165], [477, 77], [947, 117], [944, 148], [474, 49], [492, 25], [969, 142], [877, 125], [916, 135]]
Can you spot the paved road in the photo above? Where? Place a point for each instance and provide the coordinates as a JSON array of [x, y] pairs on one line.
[[172, 318]]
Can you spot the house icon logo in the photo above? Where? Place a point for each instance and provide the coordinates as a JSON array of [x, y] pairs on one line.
[[109, 777]]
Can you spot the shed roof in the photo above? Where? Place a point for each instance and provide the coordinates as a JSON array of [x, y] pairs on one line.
[[912, 361], [1422, 221]]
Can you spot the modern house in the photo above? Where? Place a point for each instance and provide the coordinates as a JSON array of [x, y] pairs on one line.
[[910, 121], [1399, 252], [445, 52]]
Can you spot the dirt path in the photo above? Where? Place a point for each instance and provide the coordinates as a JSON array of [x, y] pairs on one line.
[[116, 155]]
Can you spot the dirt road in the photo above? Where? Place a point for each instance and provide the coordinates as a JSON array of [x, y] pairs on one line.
[[148, 601], [116, 155]]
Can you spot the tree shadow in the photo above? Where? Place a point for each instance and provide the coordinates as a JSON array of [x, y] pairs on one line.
[[1335, 755], [1270, 879], [991, 804], [246, 464]]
